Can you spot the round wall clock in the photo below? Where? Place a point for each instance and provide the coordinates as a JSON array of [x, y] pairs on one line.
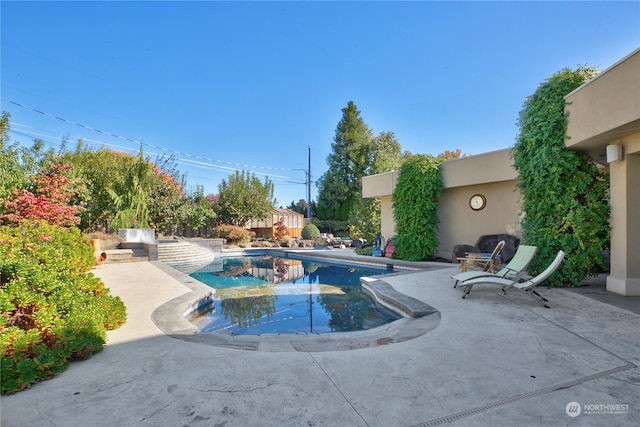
[[477, 202]]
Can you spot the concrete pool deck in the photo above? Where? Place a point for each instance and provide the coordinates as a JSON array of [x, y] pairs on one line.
[[492, 360]]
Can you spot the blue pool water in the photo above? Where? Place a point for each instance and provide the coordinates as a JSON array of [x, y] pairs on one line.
[[265, 294]]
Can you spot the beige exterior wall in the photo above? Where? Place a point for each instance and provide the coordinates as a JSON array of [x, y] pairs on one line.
[[489, 174], [387, 222], [459, 224], [606, 111], [379, 185], [495, 166]]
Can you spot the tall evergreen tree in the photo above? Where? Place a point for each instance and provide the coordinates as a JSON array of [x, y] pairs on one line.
[[348, 162]]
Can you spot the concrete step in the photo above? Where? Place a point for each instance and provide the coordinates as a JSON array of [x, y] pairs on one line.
[[184, 253], [115, 256]]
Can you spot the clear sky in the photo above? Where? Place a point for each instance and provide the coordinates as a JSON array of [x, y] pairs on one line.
[[253, 85]]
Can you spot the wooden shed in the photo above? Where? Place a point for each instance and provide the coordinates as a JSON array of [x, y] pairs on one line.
[[268, 227]]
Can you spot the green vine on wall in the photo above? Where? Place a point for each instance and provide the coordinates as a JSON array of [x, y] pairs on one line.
[[565, 196], [415, 205]]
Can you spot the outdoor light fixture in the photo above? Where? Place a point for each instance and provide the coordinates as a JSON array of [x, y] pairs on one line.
[[614, 153]]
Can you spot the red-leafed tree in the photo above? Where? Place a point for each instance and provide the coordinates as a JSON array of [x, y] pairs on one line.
[[448, 155], [50, 200]]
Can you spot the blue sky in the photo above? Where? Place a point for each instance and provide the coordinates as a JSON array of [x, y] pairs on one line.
[[254, 85]]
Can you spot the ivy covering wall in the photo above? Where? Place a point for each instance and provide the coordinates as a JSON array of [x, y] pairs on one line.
[[565, 196], [415, 206]]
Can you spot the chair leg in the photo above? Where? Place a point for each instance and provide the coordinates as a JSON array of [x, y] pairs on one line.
[[467, 289], [544, 301], [534, 292]]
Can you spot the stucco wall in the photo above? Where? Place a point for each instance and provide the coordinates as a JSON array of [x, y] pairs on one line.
[[606, 111], [388, 223], [605, 108], [490, 174], [459, 224]]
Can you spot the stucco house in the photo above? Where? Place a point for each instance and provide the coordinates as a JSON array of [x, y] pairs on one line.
[[603, 121]]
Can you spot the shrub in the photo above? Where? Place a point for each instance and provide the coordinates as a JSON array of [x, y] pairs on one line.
[[332, 226], [364, 219], [310, 232], [281, 232], [365, 250], [52, 309], [232, 234]]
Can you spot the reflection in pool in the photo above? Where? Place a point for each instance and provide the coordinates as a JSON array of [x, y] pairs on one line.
[[271, 295]]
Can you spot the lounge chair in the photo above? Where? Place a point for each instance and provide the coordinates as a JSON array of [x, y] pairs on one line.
[[482, 262], [526, 286], [513, 270]]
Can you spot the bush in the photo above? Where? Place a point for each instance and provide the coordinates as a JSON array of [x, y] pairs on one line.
[[232, 234], [332, 226], [310, 232], [52, 309], [365, 250]]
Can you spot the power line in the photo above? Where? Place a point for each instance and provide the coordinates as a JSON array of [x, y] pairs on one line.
[[177, 160], [192, 161], [113, 135]]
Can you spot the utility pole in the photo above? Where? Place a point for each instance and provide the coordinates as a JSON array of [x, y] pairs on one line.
[[309, 186]]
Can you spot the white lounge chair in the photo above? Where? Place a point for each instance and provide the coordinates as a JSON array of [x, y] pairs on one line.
[[513, 270], [526, 286]]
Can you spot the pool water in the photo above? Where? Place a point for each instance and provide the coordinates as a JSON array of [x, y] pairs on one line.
[[273, 295]]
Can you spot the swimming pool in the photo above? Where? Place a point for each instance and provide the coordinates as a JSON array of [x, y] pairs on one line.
[[283, 295]]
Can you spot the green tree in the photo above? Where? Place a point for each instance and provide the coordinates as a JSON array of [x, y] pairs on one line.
[[387, 154], [168, 196], [244, 198], [364, 217], [109, 177], [299, 207], [196, 212], [18, 164], [415, 206], [565, 196], [101, 170], [132, 199], [349, 161], [12, 175]]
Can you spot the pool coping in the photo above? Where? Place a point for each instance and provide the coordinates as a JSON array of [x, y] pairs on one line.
[[418, 319]]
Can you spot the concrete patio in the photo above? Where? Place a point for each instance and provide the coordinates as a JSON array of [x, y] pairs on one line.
[[491, 360]]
